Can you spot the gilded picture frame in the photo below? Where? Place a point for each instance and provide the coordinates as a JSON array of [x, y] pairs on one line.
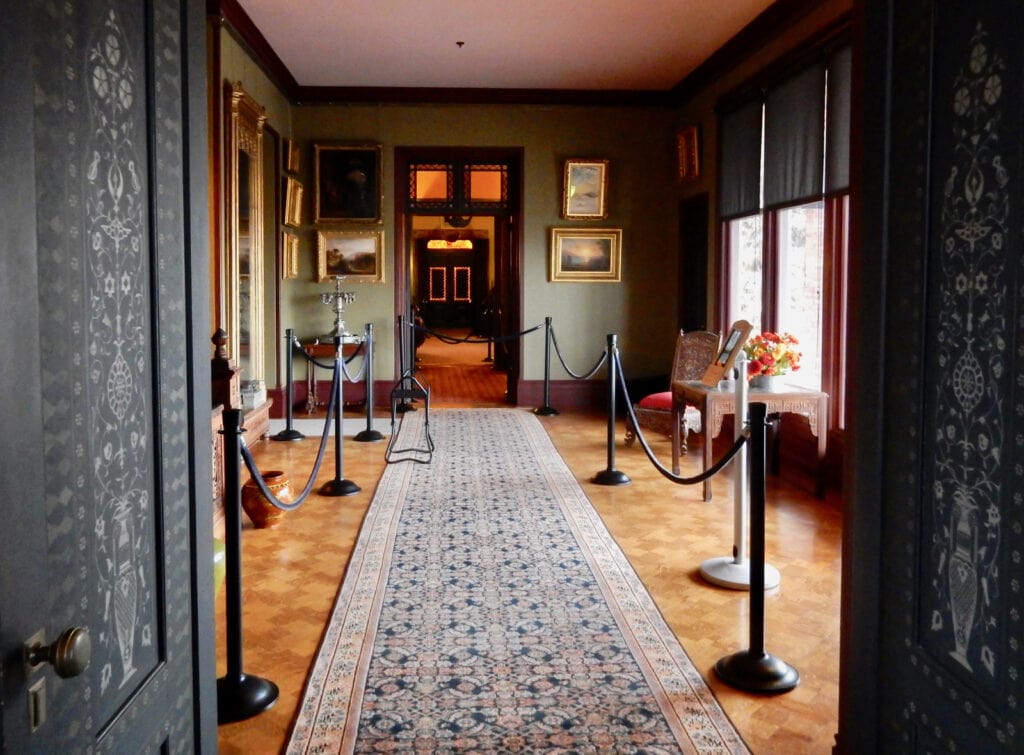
[[358, 255], [293, 202], [289, 255], [586, 255], [348, 183], [688, 153], [293, 157], [585, 190]]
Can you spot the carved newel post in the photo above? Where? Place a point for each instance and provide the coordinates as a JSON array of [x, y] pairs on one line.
[[226, 379]]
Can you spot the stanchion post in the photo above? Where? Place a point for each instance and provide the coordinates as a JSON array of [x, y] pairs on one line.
[[610, 475], [547, 410], [239, 695], [289, 433], [339, 486], [369, 435], [754, 669]]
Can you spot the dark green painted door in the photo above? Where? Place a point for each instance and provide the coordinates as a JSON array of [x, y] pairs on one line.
[[97, 492]]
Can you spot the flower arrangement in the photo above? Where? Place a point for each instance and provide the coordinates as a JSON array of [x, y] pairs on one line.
[[772, 354]]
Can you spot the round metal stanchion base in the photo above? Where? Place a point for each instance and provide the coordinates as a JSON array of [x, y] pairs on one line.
[[610, 477], [368, 436], [339, 488], [545, 411], [288, 435], [757, 672], [725, 572], [244, 696]]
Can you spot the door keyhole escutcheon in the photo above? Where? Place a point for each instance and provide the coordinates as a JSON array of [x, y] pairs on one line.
[[69, 654]]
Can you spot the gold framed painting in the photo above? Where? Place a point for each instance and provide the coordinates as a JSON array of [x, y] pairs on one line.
[[586, 255], [585, 190], [348, 182], [358, 255], [688, 153], [289, 255], [293, 158], [293, 202]]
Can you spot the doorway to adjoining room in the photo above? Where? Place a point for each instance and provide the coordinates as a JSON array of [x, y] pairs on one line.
[[454, 308]]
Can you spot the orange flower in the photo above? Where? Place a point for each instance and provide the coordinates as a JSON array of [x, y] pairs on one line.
[[772, 354]]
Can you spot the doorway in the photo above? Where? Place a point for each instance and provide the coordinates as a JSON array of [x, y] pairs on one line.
[[458, 270]]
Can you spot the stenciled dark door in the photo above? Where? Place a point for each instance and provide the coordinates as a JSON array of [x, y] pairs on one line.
[[933, 646], [452, 284], [98, 500]]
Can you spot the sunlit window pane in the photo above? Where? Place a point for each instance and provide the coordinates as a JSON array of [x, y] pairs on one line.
[[745, 266], [800, 243], [486, 184], [431, 184]]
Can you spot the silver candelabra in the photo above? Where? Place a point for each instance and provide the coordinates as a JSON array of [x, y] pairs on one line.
[[339, 299]]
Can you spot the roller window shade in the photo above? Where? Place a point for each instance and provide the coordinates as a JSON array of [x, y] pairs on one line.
[[740, 176], [837, 136], [794, 138]]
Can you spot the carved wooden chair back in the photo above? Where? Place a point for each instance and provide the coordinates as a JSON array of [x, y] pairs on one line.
[[695, 350]]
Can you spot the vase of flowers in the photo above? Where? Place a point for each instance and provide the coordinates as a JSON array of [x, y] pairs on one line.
[[769, 357]]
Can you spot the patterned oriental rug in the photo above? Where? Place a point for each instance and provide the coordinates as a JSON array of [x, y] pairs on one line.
[[487, 609]]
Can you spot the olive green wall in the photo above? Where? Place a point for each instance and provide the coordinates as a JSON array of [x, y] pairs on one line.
[[638, 142]]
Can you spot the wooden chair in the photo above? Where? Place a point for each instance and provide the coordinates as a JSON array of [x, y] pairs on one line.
[[695, 350]]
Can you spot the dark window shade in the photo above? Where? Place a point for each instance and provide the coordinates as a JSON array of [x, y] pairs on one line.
[[740, 175], [794, 138], [837, 135]]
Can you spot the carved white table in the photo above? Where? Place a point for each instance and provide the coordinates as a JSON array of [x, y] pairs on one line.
[[714, 405]]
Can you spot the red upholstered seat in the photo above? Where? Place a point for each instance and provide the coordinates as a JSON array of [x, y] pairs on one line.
[[662, 401]]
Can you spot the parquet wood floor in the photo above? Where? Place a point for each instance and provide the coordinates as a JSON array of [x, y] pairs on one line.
[[291, 575]]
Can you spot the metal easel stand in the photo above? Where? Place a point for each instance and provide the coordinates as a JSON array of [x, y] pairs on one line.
[[734, 571]]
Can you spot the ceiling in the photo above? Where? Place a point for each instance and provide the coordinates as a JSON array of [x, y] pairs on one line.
[[598, 45]]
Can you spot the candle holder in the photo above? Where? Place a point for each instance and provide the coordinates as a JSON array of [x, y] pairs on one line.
[[338, 299]]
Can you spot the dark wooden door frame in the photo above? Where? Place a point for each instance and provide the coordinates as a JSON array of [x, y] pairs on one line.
[[507, 242]]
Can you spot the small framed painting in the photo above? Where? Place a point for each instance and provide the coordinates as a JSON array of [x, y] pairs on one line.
[[289, 255], [292, 156], [585, 190], [358, 255], [292, 202], [585, 255], [348, 183], [688, 149]]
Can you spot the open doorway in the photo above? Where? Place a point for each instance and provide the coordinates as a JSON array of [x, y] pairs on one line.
[[458, 269], [451, 277]]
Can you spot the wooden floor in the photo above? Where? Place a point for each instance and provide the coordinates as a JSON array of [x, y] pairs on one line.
[[291, 575]]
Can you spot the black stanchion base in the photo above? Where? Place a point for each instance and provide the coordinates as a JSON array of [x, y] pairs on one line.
[[339, 488], [244, 696], [288, 434], [757, 672], [610, 477], [545, 411], [368, 436]]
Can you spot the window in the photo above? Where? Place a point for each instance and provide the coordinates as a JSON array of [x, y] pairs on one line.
[[783, 206]]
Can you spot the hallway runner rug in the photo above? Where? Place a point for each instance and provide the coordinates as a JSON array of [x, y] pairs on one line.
[[487, 609]]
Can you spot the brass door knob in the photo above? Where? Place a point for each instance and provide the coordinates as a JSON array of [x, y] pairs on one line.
[[69, 654]]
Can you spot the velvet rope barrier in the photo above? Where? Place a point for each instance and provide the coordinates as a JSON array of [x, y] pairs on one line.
[[615, 370]]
